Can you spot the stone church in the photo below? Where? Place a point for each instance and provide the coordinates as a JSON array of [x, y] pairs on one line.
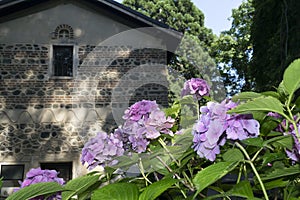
[[69, 69]]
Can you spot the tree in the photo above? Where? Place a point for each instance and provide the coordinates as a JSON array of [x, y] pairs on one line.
[[276, 40], [233, 50], [185, 17]]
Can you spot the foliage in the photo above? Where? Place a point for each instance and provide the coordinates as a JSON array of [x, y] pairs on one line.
[[233, 50], [251, 166], [275, 34], [185, 17]]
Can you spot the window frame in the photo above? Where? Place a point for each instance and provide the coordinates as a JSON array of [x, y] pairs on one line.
[[68, 164], [51, 61]]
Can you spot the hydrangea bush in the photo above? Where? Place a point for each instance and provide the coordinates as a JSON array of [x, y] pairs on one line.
[[246, 147]]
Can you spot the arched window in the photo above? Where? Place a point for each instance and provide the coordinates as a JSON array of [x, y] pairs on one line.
[[63, 31]]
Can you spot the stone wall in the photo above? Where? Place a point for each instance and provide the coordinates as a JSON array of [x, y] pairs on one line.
[[51, 119]]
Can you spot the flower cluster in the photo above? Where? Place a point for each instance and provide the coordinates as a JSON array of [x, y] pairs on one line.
[[144, 121], [102, 150], [215, 126], [37, 175], [196, 87]]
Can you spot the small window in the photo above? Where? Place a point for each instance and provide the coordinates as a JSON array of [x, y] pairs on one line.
[[64, 33], [64, 169], [12, 172], [63, 60]]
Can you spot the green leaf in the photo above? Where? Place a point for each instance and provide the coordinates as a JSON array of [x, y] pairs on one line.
[[285, 141], [245, 96], [276, 184], [271, 157], [282, 172], [212, 173], [272, 94], [233, 155], [242, 189], [291, 80], [36, 190], [80, 185], [257, 142], [117, 191], [266, 104], [153, 191], [267, 126]]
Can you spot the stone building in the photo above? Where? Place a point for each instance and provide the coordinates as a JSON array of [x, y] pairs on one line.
[[68, 69]]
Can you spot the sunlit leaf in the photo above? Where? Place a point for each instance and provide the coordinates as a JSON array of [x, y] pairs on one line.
[[245, 96], [80, 185], [35, 190], [153, 191], [291, 80], [266, 104], [212, 173], [117, 191]]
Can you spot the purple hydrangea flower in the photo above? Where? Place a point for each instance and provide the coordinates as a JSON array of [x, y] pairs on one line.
[[196, 87], [215, 126], [102, 150], [294, 153], [140, 110], [37, 175], [144, 121], [241, 127]]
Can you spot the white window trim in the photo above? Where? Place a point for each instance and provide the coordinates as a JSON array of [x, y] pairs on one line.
[[75, 61]]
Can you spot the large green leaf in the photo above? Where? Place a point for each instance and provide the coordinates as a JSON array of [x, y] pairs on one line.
[[282, 172], [245, 96], [80, 185], [117, 191], [291, 77], [152, 191], [266, 104], [212, 173], [36, 190]]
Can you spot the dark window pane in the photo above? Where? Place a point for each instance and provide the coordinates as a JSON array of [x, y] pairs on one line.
[[12, 172], [63, 60], [64, 169], [64, 33]]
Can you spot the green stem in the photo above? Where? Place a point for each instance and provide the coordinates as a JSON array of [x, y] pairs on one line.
[[294, 123], [240, 174], [141, 167], [291, 117], [175, 174], [163, 144], [257, 153], [254, 169]]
